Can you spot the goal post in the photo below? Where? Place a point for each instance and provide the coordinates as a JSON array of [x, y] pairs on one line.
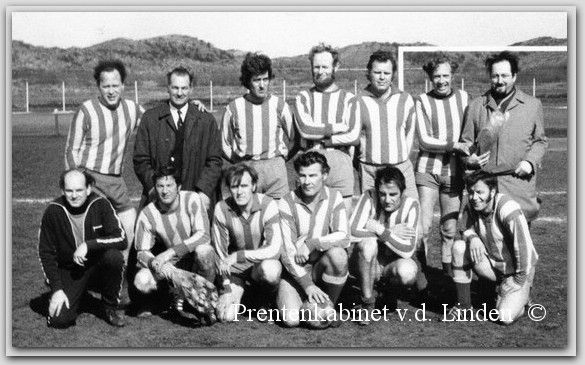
[[418, 49]]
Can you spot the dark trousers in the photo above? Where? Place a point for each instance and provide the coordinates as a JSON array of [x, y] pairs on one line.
[[107, 268]]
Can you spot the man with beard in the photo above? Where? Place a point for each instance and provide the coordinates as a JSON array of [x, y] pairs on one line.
[[497, 246], [258, 128], [324, 121], [504, 128]]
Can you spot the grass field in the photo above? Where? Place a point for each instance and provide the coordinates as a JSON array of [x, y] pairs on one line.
[[37, 160]]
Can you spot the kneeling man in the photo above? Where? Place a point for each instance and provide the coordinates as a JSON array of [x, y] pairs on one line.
[[80, 243], [247, 239], [177, 219], [315, 235], [496, 246], [385, 221]]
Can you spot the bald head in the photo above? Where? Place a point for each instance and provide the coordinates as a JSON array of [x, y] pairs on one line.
[[76, 186]]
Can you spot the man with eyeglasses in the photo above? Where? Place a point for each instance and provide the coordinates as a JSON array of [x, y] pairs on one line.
[[505, 130]]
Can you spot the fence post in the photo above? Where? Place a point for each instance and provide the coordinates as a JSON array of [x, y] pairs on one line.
[[63, 88], [136, 91], [462, 83], [284, 90], [27, 96], [355, 87], [426, 86], [56, 112], [211, 94], [534, 87]]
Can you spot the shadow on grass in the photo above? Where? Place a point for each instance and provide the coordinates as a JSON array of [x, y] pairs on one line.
[[89, 304]]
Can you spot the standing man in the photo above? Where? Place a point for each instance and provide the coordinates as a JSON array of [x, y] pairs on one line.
[[176, 133], [315, 235], [386, 117], [323, 120], [438, 174], [97, 139], [497, 246], [386, 222], [505, 128], [258, 128], [247, 240], [81, 241], [178, 220]]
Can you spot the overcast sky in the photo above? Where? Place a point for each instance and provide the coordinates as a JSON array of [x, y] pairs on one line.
[[288, 33]]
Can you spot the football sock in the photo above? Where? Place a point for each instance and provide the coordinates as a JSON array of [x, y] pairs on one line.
[[333, 285], [463, 294], [447, 269]]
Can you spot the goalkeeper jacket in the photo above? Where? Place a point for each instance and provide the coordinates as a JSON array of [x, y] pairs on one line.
[[57, 241]]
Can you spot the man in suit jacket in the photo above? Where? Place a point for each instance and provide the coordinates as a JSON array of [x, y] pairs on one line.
[[181, 135]]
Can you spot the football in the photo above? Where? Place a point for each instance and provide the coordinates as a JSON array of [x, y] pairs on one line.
[[317, 315]]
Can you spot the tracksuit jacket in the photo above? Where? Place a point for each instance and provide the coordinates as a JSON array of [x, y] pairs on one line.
[[57, 243]]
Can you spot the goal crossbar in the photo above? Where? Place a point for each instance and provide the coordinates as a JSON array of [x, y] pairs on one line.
[[417, 49]]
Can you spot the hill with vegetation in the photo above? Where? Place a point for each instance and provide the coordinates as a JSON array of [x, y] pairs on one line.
[[151, 58]]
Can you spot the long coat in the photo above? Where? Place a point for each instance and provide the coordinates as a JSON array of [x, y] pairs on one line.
[[521, 138], [155, 141]]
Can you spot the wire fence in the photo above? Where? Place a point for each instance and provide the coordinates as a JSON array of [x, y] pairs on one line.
[[63, 97]]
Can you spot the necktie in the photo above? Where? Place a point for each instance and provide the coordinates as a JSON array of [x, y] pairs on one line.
[[180, 121]]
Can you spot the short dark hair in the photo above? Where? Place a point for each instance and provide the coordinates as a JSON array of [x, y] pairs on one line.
[[432, 65], [480, 175], [235, 173], [309, 158], [89, 180], [167, 170], [322, 47], [180, 71], [390, 174], [383, 57], [255, 64], [108, 66], [502, 56]]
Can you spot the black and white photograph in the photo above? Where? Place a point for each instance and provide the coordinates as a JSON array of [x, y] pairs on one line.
[[294, 180]]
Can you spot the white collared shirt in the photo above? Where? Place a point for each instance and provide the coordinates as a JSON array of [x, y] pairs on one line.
[[175, 114]]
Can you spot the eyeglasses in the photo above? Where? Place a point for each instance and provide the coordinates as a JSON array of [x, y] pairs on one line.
[[502, 76]]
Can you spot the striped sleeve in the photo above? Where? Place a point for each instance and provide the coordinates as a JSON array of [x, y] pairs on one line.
[[199, 226], [360, 216], [270, 249], [227, 137], [338, 226], [469, 231], [220, 241], [425, 131], [144, 236], [287, 121], [409, 213], [307, 127], [521, 242], [351, 137], [289, 238], [410, 126], [75, 137]]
